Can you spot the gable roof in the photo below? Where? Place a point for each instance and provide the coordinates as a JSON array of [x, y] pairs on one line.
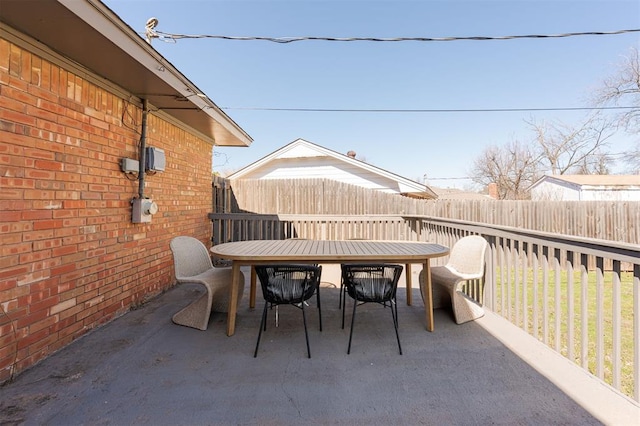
[[592, 182], [302, 149], [89, 35]]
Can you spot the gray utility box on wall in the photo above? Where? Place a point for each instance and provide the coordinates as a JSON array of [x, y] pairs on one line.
[[142, 209], [155, 160], [127, 165]]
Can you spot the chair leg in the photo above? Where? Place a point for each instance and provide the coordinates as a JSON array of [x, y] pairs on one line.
[[394, 315], [353, 319], [197, 313], [342, 307], [319, 307], [306, 334], [344, 297], [464, 308], [263, 323], [277, 318]]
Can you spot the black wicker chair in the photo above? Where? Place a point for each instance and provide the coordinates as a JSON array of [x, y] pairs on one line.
[[289, 285], [366, 283]]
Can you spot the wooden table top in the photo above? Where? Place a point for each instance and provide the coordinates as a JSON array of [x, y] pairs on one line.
[[328, 250]]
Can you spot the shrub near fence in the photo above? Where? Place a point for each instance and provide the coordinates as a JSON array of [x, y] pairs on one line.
[[606, 220]]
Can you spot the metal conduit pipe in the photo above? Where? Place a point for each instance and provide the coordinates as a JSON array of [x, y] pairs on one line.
[[143, 145]]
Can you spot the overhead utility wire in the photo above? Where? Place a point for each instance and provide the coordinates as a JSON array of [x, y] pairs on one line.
[[151, 33], [424, 110]]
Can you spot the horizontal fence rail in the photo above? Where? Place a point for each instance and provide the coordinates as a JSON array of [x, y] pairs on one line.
[[246, 226], [579, 296]]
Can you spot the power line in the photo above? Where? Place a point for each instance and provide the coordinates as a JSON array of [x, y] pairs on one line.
[[151, 33], [426, 110]]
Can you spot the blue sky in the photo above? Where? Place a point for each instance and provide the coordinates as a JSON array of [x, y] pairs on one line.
[[497, 74]]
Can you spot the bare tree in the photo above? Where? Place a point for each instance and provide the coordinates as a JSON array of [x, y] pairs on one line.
[[632, 159], [623, 89], [565, 149], [557, 148], [598, 164], [513, 168]]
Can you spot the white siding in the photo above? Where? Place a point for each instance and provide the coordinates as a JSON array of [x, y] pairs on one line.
[[610, 195], [300, 151], [555, 192], [561, 191], [322, 167]]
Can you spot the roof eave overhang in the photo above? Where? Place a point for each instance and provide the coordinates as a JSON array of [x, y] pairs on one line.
[[91, 35]]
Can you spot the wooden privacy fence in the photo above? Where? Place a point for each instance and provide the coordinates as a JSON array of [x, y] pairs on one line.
[[607, 220]]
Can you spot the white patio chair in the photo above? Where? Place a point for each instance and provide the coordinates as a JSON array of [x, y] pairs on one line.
[[466, 262], [193, 265]]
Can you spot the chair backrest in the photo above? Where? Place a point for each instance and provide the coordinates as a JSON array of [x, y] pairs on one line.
[[467, 257], [190, 257], [288, 283], [371, 282]]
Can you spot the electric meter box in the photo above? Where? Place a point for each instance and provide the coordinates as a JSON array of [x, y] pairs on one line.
[[142, 209], [155, 159]]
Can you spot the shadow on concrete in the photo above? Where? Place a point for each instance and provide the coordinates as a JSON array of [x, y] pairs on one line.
[[143, 369]]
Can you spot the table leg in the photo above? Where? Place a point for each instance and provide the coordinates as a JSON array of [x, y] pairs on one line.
[[252, 293], [407, 276], [428, 295], [233, 299]]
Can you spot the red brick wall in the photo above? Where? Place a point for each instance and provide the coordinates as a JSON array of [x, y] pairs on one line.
[[70, 257]]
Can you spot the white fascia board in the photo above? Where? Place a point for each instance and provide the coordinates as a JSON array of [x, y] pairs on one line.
[[258, 163], [554, 180]]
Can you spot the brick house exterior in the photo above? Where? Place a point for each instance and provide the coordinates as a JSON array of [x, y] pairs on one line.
[[71, 258]]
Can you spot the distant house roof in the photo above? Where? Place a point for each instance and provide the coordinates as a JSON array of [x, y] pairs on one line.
[[458, 194], [593, 181], [303, 159], [88, 33]]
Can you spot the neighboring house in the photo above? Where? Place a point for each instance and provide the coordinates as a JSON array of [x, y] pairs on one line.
[[587, 188], [73, 82], [305, 160]]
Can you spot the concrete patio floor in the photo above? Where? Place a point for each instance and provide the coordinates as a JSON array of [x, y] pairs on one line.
[[143, 369]]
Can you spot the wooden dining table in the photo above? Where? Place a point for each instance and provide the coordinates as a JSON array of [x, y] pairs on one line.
[[260, 252]]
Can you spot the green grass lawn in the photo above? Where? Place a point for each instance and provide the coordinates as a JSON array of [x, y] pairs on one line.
[[510, 304]]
